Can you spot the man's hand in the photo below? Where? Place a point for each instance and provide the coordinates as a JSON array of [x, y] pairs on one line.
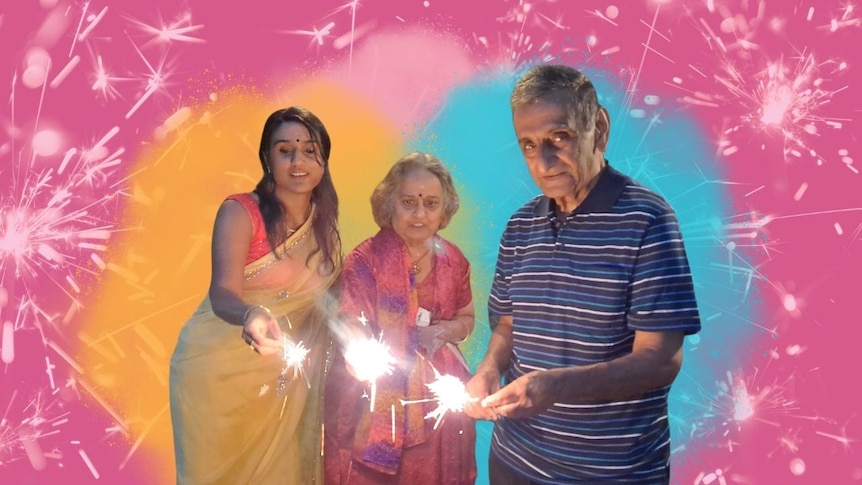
[[526, 396], [486, 381]]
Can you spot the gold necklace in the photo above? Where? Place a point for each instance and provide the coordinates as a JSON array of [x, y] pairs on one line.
[[414, 267], [288, 231]]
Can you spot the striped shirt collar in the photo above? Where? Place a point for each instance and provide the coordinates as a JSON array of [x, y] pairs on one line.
[[601, 198]]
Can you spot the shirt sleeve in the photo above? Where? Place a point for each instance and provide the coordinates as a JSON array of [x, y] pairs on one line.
[[661, 293], [499, 301]]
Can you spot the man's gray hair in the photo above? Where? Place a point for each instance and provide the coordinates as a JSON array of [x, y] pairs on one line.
[[563, 83]]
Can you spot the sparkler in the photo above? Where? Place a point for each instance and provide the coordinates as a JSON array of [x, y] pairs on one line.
[[294, 355], [369, 359], [450, 394]]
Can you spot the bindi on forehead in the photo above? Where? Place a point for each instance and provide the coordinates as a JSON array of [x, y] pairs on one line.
[[296, 140], [420, 195]]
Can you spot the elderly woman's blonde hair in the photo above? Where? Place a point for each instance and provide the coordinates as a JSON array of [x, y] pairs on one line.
[[385, 195]]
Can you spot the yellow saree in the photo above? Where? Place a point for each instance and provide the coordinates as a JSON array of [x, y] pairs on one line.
[[231, 424]]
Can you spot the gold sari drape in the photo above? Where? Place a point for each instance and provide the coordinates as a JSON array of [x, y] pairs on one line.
[[231, 424]]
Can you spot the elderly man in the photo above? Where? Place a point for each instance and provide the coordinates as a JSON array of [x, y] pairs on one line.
[[589, 306]]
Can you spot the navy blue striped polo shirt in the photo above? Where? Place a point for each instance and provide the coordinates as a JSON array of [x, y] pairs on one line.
[[577, 292]]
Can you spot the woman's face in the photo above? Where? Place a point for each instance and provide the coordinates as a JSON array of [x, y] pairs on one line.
[[418, 207], [294, 159]]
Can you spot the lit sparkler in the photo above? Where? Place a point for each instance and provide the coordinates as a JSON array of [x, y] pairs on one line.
[[450, 394], [370, 359], [294, 355]]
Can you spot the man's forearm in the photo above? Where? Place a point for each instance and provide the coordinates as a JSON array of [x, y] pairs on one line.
[[619, 379], [499, 351]]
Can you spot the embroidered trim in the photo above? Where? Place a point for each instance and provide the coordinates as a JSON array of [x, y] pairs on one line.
[[287, 250]]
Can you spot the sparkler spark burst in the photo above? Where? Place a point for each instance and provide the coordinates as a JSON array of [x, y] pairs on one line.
[[29, 437], [294, 355], [370, 359], [783, 93], [55, 221], [788, 99], [450, 394], [743, 401]]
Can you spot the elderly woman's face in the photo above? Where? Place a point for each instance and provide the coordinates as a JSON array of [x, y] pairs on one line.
[[418, 207]]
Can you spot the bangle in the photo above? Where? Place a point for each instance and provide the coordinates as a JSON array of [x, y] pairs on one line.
[[253, 308], [467, 332]]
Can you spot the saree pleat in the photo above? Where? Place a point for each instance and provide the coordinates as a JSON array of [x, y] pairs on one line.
[[232, 425]]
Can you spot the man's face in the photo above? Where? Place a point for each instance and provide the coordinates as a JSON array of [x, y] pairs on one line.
[[561, 159]]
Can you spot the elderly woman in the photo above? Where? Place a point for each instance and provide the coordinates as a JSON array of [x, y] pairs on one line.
[[240, 416], [413, 287]]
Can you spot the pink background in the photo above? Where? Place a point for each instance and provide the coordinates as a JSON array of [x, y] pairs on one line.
[[769, 83]]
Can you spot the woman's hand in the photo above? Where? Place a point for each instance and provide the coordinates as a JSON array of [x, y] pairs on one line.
[[431, 338], [454, 331], [261, 331]]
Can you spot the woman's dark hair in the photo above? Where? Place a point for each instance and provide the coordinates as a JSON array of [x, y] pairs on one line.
[[325, 222]]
